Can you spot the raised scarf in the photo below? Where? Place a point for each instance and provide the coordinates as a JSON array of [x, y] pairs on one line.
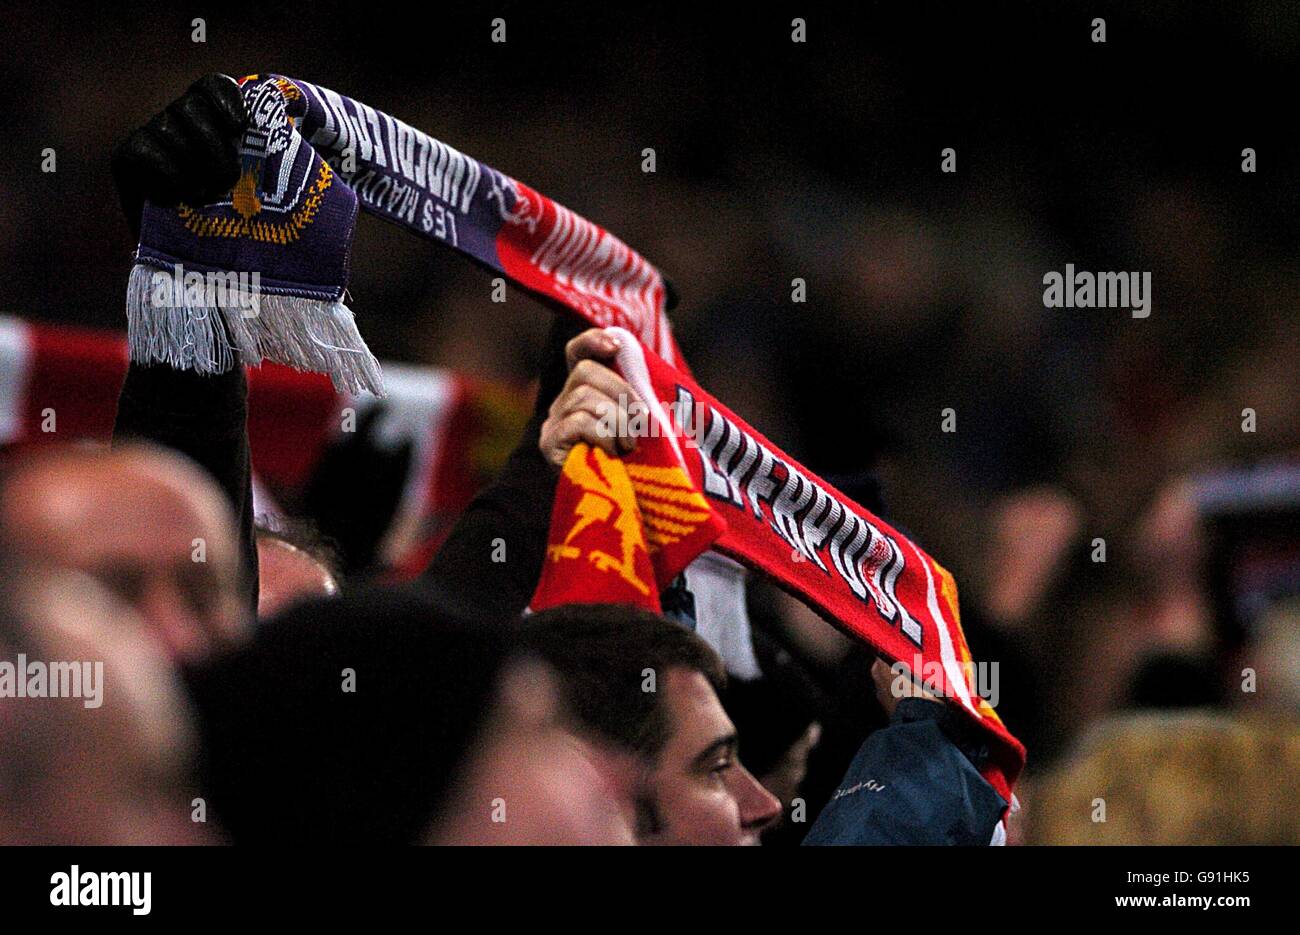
[[262, 274], [290, 220], [623, 528]]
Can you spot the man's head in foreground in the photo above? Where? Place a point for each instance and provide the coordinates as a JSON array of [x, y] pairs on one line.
[[650, 687], [147, 524], [384, 716]]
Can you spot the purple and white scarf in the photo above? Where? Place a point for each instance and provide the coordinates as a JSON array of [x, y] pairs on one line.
[[262, 274]]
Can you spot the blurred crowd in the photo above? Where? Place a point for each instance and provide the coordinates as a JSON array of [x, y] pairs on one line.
[[1116, 497]]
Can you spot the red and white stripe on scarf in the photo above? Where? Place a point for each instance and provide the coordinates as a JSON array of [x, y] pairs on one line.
[[59, 383]]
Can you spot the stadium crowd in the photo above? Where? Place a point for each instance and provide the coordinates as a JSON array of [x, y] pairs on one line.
[[284, 688]]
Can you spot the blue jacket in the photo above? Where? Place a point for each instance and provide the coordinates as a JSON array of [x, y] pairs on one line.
[[913, 782]]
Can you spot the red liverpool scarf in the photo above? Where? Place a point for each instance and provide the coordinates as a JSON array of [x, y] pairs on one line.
[[621, 530]]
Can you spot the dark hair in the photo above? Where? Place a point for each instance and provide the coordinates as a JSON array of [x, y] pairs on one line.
[[289, 754], [601, 652]]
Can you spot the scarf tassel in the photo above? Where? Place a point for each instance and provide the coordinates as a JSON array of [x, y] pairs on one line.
[[307, 334]]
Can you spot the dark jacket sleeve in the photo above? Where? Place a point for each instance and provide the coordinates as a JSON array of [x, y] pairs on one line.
[[205, 418], [493, 556], [913, 782]]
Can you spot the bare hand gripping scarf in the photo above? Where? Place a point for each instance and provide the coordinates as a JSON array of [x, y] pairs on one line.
[[621, 528]]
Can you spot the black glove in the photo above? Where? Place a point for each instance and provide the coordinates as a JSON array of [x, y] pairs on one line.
[[187, 153], [356, 515], [670, 294]]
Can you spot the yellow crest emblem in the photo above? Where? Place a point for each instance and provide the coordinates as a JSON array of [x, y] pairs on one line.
[[606, 491]]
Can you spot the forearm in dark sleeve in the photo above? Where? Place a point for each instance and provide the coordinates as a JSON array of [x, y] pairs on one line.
[[493, 556], [205, 418]]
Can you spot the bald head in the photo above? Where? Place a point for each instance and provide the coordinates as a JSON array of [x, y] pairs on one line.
[[145, 522], [288, 574]]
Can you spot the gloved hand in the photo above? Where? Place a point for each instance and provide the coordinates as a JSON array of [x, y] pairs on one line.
[[187, 153]]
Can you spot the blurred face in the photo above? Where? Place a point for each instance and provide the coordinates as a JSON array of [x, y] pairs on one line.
[[150, 527], [107, 775], [534, 781], [286, 575], [700, 792]]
